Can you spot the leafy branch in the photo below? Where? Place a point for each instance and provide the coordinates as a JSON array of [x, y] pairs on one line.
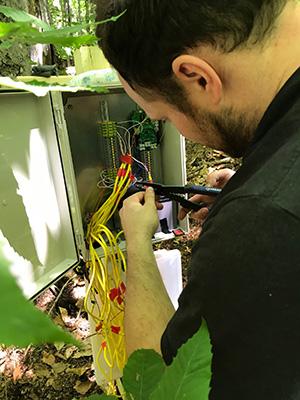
[[29, 29]]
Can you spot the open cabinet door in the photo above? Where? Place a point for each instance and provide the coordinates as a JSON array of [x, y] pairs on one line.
[[35, 218]]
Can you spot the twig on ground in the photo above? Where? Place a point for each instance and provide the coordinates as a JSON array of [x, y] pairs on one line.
[[60, 293]]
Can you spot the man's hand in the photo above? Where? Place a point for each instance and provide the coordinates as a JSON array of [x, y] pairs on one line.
[[217, 179], [139, 216]]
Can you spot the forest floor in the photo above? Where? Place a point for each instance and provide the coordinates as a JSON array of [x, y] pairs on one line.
[[65, 372]]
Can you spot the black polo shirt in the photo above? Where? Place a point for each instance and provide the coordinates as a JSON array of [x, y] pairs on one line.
[[245, 269]]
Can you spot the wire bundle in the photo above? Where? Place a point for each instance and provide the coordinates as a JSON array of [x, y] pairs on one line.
[[104, 300]]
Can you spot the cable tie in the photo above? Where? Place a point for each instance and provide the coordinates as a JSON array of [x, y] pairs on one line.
[[127, 159], [115, 329], [121, 172], [114, 293]]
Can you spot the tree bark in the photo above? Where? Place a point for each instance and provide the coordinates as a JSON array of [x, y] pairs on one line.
[[63, 12], [87, 13], [16, 60], [69, 12], [79, 11]]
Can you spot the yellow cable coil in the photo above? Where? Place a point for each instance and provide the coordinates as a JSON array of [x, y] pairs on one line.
[[104, 300]]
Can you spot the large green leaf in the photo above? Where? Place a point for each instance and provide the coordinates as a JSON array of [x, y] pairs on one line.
[[21, 323], [58, 39], [21, 16], [66, 31], [22, 30], [189, 375], [67, 41], [142, 373], [13, 28], [100, 397]]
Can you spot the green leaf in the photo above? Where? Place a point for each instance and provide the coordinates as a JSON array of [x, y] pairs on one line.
[[189, 375], [21, 16], [142, 373], [14, 28], [64, 37], [21, 324], [22, 31], [68, 30], [100, 397], [59, 39]]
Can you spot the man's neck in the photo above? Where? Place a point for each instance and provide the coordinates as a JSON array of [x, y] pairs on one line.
[[286, 46]]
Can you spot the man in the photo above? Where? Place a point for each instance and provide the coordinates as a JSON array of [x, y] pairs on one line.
[[226, 74]]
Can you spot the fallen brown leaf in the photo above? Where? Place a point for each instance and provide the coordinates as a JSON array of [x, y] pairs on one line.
[[82, 387], [77, 371], [42, 373], [33, 396], [86, 352], [59, 346], [69, 351], [59, 367], [50, 382], [48, 359], [56, 385]]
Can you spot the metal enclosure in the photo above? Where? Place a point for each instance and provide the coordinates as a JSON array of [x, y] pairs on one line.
[[50, 157]]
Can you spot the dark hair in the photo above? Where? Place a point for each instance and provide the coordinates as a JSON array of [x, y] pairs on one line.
[[142, 44]]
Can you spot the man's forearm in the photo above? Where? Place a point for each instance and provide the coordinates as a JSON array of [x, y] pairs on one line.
[[148, 307]]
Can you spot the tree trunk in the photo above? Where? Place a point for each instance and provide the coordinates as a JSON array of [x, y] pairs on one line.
[[69, 12], [79, 11], [87, 13], [49, 16], [16, 60], [63, 12]]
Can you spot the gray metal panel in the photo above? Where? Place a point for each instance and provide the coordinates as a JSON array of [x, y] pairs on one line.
[[174, 161], [82, 114], [34, 209]]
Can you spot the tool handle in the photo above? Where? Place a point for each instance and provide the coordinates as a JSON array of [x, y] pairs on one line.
[[190, 205], [208, 191]]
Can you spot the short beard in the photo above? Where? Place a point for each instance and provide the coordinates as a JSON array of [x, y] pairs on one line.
[[235, 130], [229, 130]]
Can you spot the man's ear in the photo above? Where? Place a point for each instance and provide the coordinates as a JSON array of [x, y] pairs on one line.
[[196, 74]]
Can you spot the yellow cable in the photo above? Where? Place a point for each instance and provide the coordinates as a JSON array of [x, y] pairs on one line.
[[109, 294], [106, 288]]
